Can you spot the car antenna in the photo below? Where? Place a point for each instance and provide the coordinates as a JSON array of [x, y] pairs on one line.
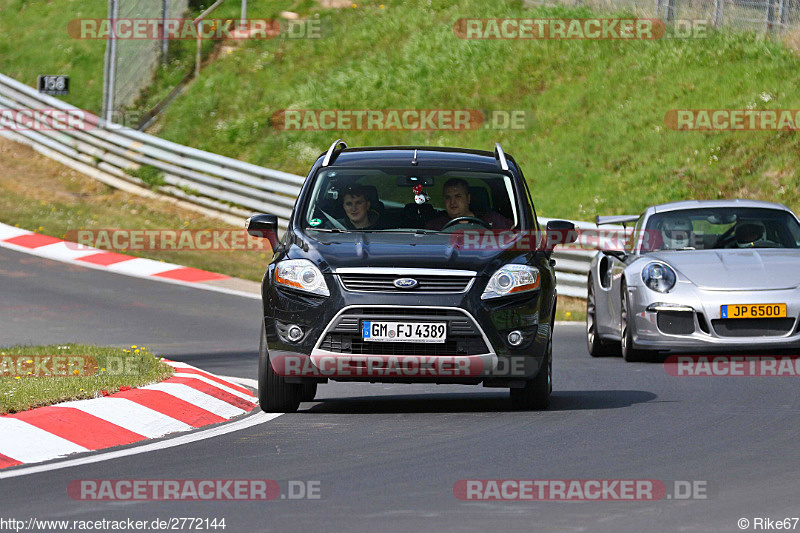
[[500, 156], [331, 151], [414, 159]]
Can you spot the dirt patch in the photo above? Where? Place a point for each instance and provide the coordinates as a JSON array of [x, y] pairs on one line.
[[39, 194]]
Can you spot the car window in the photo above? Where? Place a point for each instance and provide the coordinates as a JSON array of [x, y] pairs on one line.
[[402, 200], [720, 228]]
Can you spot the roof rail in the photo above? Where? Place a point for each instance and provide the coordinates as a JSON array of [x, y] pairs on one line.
[[331, 150], [500, 156]]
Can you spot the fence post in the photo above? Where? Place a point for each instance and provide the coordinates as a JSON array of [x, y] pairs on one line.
[[717, 10], [110, 67], [670, 11], [770, 15], [781, 15], [164, 17]]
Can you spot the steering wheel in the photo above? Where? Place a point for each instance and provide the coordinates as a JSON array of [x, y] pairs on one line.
[[459, 220]]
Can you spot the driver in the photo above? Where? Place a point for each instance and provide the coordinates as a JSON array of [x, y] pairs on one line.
[[748, 234], [677, 232], [456, 204], [357, 208]]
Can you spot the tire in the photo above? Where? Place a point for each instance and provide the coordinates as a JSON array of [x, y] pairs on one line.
[[536, 393], [629, 353], [595, 345], [274, 394], [308, 392]]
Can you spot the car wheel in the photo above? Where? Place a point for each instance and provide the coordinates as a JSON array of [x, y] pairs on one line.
[[596, 346], [308, 392], [535, 395], [274, 394], [629, 353]]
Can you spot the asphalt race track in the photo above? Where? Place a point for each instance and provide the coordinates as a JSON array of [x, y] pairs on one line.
[[387, 456]]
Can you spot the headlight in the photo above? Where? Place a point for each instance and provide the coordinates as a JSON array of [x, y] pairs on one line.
[[659, 277], [301, 274], [512, 279]]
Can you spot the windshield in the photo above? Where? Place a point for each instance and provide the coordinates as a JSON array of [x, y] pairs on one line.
[[441, 200], [714, 228]]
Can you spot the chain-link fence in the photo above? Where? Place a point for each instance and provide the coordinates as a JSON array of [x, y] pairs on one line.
[[131, 63], [771, 16]]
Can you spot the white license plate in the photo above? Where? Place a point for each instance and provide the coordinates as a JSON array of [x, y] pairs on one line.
[[379, 331]]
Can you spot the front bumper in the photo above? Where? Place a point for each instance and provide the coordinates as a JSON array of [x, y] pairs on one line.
[[477, 350], [689, 318]]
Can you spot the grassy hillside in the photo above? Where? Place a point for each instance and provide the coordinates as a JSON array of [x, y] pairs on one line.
[[35, 41], [598, 143]]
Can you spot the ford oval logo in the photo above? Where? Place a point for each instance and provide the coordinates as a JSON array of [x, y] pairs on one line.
[[405, 283]]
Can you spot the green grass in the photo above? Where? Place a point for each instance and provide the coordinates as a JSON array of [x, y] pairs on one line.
[[598, 143], [149, 174], [35, 41], [34, 376]]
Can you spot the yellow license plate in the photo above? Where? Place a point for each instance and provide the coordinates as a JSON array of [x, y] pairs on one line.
[[753, 311]]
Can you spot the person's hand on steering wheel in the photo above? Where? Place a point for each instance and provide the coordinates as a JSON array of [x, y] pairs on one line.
[[459, 220]]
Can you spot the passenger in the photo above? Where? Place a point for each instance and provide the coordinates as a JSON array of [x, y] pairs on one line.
[[357, 208], [456, 202]]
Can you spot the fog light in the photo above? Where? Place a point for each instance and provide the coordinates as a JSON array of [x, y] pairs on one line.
[[295, 333], [515, 338]]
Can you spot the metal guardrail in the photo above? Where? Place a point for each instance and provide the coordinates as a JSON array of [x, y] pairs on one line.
[[210, 180], [109, 152]]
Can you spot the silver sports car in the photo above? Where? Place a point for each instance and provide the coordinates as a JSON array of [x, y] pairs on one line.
[[698, 275]]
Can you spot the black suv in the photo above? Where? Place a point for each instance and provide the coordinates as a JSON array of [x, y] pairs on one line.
[[409, 265]]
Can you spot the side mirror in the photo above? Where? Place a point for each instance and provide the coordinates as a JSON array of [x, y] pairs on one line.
[[560, 232], [263, 226], [618, 254]]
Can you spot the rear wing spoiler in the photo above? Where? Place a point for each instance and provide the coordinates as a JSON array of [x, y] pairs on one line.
[[615, 219]]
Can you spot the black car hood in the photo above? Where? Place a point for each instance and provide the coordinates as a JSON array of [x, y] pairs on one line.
[[401, 250]]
